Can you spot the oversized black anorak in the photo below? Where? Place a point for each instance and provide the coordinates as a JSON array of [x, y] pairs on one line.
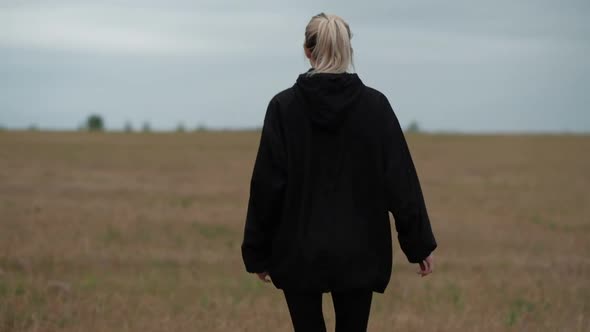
[[332, 163]]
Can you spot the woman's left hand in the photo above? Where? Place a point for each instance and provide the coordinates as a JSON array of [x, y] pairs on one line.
[[264, 276]]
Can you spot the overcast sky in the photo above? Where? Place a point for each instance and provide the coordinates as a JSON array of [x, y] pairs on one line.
[[456, 65]]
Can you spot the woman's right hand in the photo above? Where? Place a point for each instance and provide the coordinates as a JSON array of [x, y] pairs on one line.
[[426, 266]]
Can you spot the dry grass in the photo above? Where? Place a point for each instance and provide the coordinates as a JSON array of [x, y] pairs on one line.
[[142, 232]]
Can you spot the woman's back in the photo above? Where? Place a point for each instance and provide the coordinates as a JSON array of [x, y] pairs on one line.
[[332, 162]]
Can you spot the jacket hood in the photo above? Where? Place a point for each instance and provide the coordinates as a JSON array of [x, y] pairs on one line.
[[329, 96]]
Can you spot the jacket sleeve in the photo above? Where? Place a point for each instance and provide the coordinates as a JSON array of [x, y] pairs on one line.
[[404, 194], [266, 194]]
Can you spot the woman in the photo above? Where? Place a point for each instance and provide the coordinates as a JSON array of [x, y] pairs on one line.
[[332, 163]]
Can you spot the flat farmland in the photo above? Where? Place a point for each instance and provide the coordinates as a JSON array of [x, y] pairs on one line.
[[142, 232]]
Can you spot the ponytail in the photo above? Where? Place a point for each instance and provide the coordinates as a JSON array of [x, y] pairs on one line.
[[328, 39]]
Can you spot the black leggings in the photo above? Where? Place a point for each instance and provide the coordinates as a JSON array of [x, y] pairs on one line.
[[352, 310]]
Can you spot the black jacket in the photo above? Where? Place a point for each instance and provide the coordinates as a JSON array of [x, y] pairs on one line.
[[332, 162]]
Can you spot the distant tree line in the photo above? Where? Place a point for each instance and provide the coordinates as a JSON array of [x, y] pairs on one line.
[[95, 122]]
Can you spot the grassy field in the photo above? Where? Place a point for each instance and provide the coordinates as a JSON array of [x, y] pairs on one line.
[[142, 232]]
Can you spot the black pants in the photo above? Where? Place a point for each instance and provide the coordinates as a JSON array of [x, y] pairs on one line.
[[352, 310]]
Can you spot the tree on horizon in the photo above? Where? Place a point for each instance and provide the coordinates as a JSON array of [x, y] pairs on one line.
[[94, 122], [413, 127], [128, 128]]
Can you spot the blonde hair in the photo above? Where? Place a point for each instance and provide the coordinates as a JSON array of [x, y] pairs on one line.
[[328, 39]]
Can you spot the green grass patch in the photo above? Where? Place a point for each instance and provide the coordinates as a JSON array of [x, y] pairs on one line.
[[518, 308], [538, 220], [112, 235], [454, 295], [212, 231]]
